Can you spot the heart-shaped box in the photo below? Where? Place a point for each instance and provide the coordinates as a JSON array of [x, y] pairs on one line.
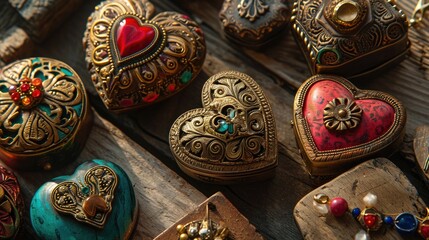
[[96, 202], [232, 138], [45, 115], [350, 38], [254, 23], [11, 205], [338, 125], [135, 60]]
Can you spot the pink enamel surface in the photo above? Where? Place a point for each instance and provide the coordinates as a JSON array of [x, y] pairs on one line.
[[377, 117]]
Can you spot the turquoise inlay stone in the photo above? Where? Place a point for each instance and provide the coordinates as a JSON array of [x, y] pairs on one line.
[[49, 224], [85, 190], [186, 77], [406, 223], [66, 72], [231, 113], [223, 126], [35, 60]]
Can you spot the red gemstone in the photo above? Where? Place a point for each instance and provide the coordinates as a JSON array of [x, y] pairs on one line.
[[171, 87], [186, 17], [338, 206], [126, 102], [370, 220], [36, 93], [198, 31], [15, 96], [131, 37], [151, 97], [37, 82], [424, 231], [25, 87]]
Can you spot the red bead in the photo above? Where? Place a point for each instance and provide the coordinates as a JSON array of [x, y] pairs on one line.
[[126, 102], [37, 82], [338, 206], [370, 220], [15, 96], [132, 37], [424, 231], [25, 87], [36, 93], [171, 87], [186, 17], [151, 97]]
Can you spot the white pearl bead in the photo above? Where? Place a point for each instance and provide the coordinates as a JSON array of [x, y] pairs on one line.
[[362, 235], [323, 209], [370, 200]]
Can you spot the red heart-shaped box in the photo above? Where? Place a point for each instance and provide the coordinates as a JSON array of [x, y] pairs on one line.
[[338, 125]]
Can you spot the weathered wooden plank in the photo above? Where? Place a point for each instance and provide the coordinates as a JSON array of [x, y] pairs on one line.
[[8, 17], [43, 16], [15, 44], [222, 212], [421, 149], [380, 177], [163, 196]]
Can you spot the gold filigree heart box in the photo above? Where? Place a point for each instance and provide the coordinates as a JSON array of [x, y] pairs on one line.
[[338, 125], [44, 114], [232, 139], [350, 38], [254, 23], [136, 60]]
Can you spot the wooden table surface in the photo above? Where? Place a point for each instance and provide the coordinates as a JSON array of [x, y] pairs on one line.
[[279, 68]]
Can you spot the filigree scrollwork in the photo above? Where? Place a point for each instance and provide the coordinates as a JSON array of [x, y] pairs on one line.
[[252, 9], [234, 129], [11, 205], [89, 201], [52, 120], [168, 56], [341, 114]]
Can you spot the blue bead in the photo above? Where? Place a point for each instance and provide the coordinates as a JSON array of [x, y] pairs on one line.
[[388, 220], [406, 223], [355, 212]]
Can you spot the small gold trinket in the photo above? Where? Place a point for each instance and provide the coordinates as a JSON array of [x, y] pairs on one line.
[[232, 138]]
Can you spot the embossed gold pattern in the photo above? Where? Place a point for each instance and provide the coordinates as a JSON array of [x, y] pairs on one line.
[[91, 202], [148, 76], [252, 9], [234, 132], [341, 114], [350, 38], [253, 22], [54, 121]]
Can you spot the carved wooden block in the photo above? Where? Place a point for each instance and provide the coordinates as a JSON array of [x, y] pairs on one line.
[[42, 16], [378, 176], [15, 44], [421, 149], [238, 225]]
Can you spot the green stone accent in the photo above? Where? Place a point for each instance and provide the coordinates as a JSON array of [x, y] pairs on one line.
[[85, 190], [186, 77], [66, 72], [40, 75], [3, 88], [35, 60]]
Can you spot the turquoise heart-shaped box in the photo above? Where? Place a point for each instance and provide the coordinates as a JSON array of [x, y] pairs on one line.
[[50, 223]]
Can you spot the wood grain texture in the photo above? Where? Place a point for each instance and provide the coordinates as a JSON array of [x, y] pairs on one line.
[[238, 225], [163, 196], [43, 16], [421, 149], [279, 68], [378, 176], [15, 44]]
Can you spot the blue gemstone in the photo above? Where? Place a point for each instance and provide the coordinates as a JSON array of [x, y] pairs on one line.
[[406, 223], [388, 220], [356, 212], [223, 126]]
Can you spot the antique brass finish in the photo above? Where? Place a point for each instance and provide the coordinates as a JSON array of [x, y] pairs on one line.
[[341, 114], [145, 74], [232, 138], [350, 38], [253, 23], [91, 202], [203, 229], [11, 205], [334, 161], [53, 127]]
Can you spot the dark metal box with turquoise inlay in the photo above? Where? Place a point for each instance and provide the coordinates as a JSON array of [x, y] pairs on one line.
[[43, 109]]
